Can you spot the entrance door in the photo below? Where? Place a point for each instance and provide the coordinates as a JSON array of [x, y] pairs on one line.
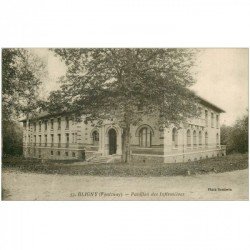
[[112, 141]]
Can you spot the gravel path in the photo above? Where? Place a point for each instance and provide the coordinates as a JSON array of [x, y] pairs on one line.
[[31, 186]]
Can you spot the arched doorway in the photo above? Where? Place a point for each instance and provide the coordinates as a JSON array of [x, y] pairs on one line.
[[112, 141]]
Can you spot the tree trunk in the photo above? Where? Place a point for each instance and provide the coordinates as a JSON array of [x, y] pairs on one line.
[[126, 144]]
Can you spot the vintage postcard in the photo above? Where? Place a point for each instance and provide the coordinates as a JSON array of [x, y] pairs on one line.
[[125, 124]]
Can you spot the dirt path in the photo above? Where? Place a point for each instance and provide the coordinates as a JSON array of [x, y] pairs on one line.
[[30, 186]]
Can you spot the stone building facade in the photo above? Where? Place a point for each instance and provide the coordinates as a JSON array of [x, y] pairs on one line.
[[63, 138]]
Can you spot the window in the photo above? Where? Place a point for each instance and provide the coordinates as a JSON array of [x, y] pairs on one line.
[[212, 120], [217, 121], [67, 139], [200, 138], [59, 123], [45, 125], [175, 137], [194, 139], [58, 153], [40, 140], [59, 140], [51, 152], [73, 154], [95, 136], [67, 122], [40, 126], [34, 125], [206, 117], [46, 140], [217, 139], [145, 137], [188, 138], [66, 153], [35, 140], [52, 140], [206, 139], [52, 124]]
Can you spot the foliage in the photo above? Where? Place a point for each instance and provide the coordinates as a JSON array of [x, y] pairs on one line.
[[125, 84], [236, 137], [21, 78], [12, 138]]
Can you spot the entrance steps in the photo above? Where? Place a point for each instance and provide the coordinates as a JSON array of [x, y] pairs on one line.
[[98, 159]]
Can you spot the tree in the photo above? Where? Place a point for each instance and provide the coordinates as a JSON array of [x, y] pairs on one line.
[[21, 79], [125, 85], [236, 137]]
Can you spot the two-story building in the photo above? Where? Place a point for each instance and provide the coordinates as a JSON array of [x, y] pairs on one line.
[[62, 137]]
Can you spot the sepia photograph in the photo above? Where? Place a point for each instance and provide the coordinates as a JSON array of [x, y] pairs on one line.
[[120, 124]]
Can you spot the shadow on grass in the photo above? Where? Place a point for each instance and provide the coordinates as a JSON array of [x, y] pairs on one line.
[[5, 194], [215, 165]]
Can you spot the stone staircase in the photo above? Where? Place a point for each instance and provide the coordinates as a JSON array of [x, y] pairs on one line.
[[98, 159]]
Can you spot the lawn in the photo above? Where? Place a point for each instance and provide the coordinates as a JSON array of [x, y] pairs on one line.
[[215, 165]]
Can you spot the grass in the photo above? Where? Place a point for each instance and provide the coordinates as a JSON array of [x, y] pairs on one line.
[[217, 165]]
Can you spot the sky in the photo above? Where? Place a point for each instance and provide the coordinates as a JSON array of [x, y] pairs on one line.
[[222, 78]]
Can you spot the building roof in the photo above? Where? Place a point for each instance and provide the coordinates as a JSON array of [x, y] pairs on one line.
[[210, 105], [45, 114]]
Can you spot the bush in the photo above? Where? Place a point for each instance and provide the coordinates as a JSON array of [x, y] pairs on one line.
[[236, 137], [12, 139]]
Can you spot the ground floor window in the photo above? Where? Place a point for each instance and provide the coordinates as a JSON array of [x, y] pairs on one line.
[[217, 139], [145, 137], [200, 138], [206, 139], [194, 139], [188, 138], [51, 152], [175, 137], [95, 136]]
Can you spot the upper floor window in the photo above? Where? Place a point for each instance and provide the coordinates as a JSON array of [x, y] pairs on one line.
[[217, 139], [52, 123], [175, 137], [212, 120], [145, 137], [206, 117], [67, 139], [59, 123], [40, 126], [40, 140], [45, 125], [34, 125], [188, 138], [52, 139], [67, 122], [217, 121]]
